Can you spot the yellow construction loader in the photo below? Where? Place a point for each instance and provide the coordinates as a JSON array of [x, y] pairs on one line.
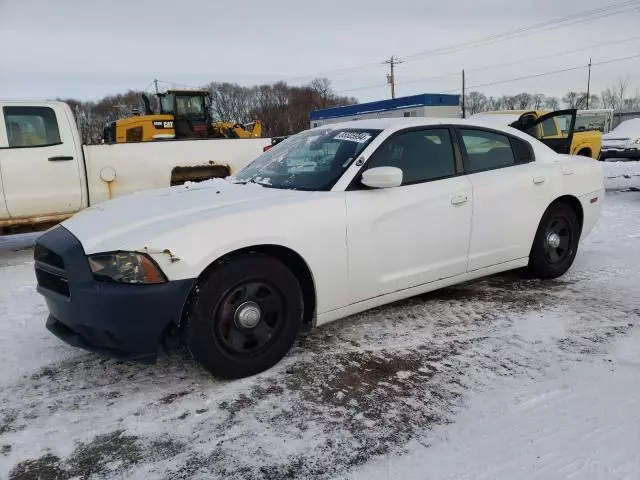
[[183, 114]]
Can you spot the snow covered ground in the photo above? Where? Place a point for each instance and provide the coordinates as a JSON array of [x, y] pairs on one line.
[[502, 378]]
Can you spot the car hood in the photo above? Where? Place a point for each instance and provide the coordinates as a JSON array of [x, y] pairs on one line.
[[617, 136], [127, 220], [627, 129]]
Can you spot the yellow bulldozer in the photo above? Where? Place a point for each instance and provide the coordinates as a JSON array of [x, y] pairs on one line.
[[183, 114]]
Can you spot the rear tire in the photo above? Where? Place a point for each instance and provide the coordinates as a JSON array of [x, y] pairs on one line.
[[244, 316], [556, 242]]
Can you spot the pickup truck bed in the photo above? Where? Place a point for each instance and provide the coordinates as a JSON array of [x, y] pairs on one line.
[[47, 175]]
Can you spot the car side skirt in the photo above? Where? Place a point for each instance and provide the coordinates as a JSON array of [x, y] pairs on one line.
[[418, 290]]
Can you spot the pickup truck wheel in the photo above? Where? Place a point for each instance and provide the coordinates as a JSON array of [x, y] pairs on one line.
[[556, 242], [244, 316]]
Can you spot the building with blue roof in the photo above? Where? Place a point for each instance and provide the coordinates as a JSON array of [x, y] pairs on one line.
[[423, 105]]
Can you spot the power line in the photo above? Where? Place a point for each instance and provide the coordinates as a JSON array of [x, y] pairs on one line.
[[553, 72], [586, 15], [596, 13], [498, 65], [148, 86]]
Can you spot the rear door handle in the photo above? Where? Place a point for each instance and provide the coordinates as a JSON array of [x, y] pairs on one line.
[[459, 200], [538, 180], [60, 158]]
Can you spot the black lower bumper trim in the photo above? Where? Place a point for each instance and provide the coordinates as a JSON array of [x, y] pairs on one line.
[[117, 320], [75, 339]]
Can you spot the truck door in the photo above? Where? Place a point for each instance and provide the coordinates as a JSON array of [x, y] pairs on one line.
[[555, 129], [40, 160]]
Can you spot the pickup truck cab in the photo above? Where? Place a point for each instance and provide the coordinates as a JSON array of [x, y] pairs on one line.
[[47, 175], [557, 129]]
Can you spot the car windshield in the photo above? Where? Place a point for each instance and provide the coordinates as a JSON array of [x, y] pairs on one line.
[[311, 160], [628, 127]]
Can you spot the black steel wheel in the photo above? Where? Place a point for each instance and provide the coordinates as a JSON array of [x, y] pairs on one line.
[[244, 316], [250, 316], [556, 242]]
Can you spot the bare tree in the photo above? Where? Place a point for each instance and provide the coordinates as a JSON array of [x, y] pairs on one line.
[[494, 103], [552, 103], [508, 102], [476, 102], [622, 89], [538, 100], [523, 100], [614, 97], [572, 99], [594, 101], [322, 87], [609, 98], [632, 102]]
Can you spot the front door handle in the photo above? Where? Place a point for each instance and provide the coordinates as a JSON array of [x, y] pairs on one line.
[[538, 180], [60, 158], [459, 200]]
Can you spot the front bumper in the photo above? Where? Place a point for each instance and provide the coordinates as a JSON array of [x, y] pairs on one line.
[[118, 320], [619, 153]]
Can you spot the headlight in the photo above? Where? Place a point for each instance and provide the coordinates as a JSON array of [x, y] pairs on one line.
[[636, 141], [125, 267]]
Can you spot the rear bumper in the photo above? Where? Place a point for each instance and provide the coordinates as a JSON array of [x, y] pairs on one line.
[[619, 153], [118, 320]]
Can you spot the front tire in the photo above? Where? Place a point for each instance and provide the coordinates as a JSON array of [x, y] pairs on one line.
[[556, 242], [244, 316]]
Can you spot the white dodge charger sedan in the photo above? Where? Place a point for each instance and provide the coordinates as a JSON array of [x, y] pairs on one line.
[[330, 222]]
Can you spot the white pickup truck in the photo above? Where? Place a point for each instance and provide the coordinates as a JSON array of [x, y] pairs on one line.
[[47, 175]]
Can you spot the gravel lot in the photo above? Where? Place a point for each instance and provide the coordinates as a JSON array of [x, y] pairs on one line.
[[505, 377]]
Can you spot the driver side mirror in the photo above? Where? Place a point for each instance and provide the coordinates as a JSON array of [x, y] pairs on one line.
[[382, 177]]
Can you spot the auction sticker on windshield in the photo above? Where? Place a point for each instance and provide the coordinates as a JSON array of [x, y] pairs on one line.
[[358, 137]]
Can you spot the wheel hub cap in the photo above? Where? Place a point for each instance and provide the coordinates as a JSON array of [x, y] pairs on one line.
[[553, 240], [247, 315]]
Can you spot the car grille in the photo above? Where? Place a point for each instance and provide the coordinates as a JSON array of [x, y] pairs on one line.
[[614, 143], [50, 271]]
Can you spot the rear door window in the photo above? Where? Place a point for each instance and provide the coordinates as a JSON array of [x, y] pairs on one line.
[[487, 150]]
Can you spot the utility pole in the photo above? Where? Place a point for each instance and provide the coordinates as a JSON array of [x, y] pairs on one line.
[[155, 82], [391, 78], [464, 113], [588, 83]]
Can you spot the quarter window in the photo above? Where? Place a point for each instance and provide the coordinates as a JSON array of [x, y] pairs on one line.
[[487, 150], [422, 155], [31, 126], [521, 150]]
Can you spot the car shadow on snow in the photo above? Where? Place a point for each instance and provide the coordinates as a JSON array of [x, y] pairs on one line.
[[357, 388]]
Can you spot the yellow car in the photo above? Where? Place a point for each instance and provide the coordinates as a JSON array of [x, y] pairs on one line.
[[554, 128]]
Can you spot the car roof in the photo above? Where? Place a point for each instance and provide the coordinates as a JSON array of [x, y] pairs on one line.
[[395, 124]]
